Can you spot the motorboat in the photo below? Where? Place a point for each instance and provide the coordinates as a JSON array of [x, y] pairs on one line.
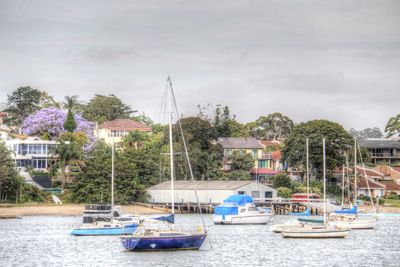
[[240, 209]]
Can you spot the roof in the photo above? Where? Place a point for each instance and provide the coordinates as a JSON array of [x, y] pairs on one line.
[[362, 183], [5, 128], [369, 172], [201, 185], [239, 143], [271, 143], [125, 125], [263, 171], [380, 143], [2, 114], [391, 186], [276, 155]]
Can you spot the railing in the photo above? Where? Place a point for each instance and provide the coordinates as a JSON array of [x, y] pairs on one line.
[[384, 155], [288, 200]]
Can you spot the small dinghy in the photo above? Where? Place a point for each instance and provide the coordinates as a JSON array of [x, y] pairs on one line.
[[307, 231], [352, 222]]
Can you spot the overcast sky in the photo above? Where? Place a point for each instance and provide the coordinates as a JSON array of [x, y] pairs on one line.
[[336, 60]]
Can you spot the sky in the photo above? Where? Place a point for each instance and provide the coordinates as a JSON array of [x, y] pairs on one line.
[[337, 60]]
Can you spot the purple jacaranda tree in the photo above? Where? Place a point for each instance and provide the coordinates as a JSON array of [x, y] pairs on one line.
[[50, 122]]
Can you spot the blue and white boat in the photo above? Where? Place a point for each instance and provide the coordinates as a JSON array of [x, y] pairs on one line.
[[154, 238], [240, 209]]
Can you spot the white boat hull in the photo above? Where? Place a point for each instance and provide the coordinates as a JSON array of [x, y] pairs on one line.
[[356, 224], [242, 219], [316, 233]]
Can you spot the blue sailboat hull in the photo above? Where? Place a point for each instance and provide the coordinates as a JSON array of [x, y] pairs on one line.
[[186, 242], [353, 210], [129, 229]]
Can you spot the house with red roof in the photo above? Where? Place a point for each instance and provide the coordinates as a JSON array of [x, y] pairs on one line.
[[116, 130]]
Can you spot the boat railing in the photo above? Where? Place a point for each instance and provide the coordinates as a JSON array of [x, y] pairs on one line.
[[287, 200]]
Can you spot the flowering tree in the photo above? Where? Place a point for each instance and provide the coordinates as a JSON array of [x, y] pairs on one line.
[[50, 122]]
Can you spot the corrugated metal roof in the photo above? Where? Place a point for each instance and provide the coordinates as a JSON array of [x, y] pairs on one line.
[[380, 143], [201, 185], [239, 143]]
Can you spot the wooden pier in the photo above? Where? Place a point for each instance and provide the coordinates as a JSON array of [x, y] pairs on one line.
[[280, 206]]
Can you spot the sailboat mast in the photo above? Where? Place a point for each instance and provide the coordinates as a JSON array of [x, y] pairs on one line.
[[171, 149], [112, 175], [355, 171], [307, 175], [324, 177], [343, 185]]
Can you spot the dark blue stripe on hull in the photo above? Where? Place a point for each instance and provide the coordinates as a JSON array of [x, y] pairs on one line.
[[163, 243]]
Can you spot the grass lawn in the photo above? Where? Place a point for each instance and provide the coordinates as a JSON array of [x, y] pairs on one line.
[[392, 203]]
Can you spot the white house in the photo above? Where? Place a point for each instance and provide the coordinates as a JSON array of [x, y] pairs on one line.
[[31, 151], [114, 131], [208, 191]]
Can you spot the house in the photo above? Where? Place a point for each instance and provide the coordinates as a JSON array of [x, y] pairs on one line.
[[382, 149], [32, 151], [114, 131], [390, 173], [377, 188], [208, 191], [5, 132], [2, 116]]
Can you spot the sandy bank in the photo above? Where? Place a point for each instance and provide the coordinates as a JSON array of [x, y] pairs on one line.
[[61, 210]]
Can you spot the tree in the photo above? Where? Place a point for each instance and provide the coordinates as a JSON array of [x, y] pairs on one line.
[[103, 108], [69, 156], [338, 141], [241, 161], [49, 123], [70, 124], [135, 139], [93, 185], [274, 126], [22, 102], [10, 182], [366, 133], [284, 192], [239, 175], [393, 126], [72, 104], [222, 120], [196, 131], [282, 180]]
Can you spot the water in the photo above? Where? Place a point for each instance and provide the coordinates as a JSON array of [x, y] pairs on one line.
[[45, 241]]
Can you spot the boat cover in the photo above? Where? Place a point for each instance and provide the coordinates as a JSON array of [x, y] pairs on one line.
[[166, 218], [225, 210], [353, 210], [304, 213], [240, 200]]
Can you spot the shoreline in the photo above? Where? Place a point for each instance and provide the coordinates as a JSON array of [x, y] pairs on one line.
[[10, 211]]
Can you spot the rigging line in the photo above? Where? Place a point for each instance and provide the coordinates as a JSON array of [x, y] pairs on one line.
[[366, 178], [188, 160]]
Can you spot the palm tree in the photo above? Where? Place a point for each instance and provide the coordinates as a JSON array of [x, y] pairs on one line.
[[68, 155], [135, 139], [72, 103]]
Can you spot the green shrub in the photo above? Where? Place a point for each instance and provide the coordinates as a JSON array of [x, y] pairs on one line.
[[282, 180], [393, 195], [284, 192]]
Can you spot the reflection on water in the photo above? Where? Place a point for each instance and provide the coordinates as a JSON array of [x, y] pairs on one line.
[[45, 241]]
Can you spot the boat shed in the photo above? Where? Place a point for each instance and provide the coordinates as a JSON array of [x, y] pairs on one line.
[[208, 191]]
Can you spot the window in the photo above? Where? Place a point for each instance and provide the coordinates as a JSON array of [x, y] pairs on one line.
[[228, 153], [254, 153], [255, 194], [242, 192], [251, 208], [262, 164], [268, 194]]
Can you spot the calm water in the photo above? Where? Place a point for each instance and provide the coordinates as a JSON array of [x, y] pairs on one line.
[[45, 241]]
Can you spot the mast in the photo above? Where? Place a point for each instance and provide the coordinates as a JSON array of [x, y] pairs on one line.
[[171, 149], [347, 178], [342, 185], [355, 171], [112, 175], [324, 177], [307, 175]]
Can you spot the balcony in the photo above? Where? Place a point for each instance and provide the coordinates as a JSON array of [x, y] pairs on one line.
[[384, 155]]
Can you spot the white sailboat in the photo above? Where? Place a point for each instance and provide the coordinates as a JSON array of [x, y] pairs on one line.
[[323, 231], [351, 220]]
